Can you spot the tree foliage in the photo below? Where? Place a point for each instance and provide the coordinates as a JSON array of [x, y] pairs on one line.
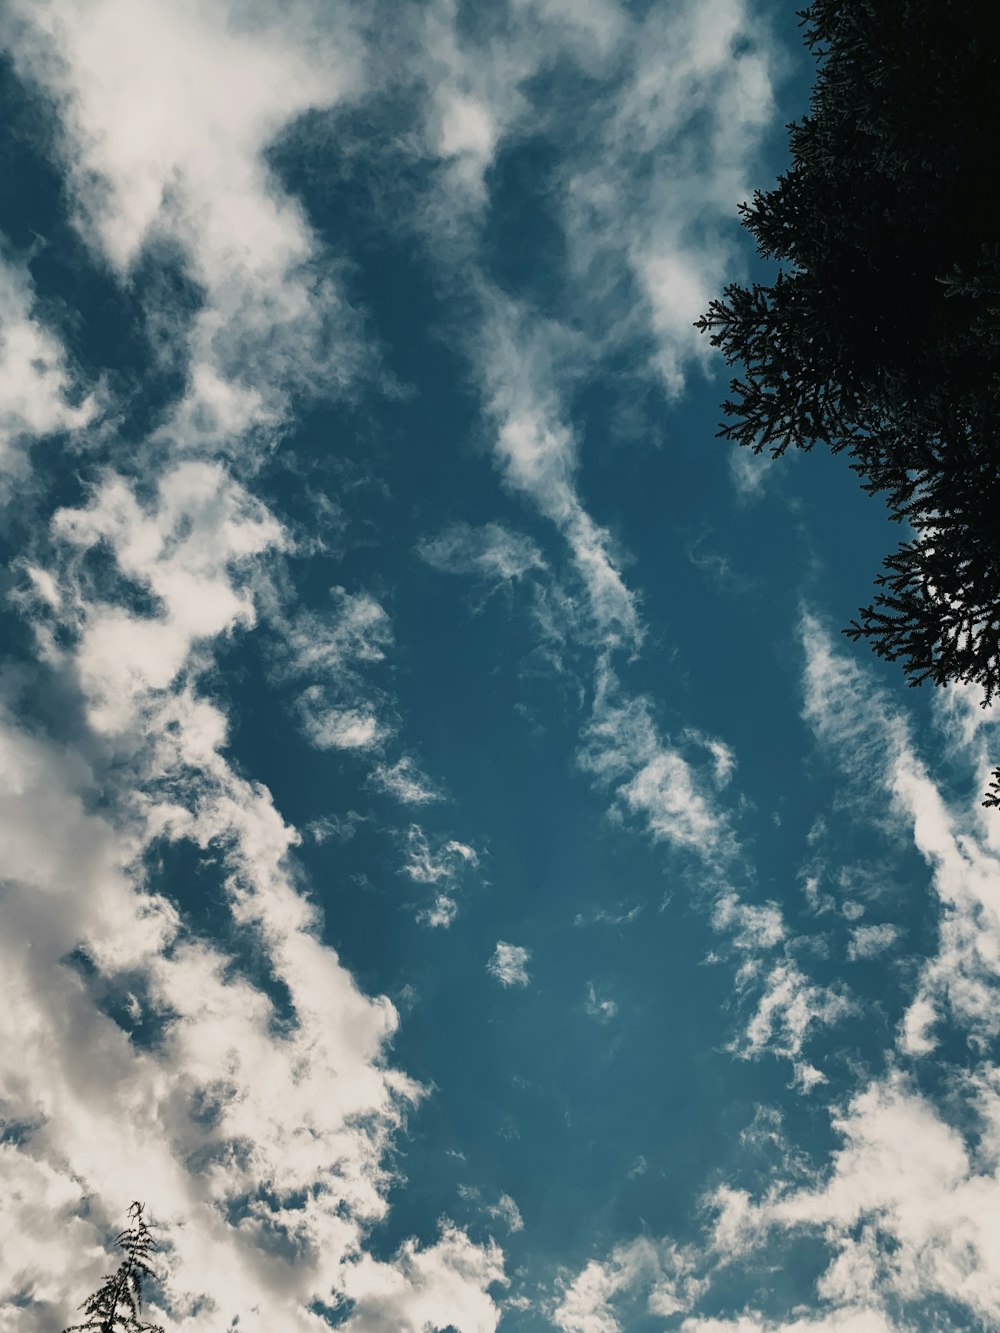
[[116, 1305], [880, 336]]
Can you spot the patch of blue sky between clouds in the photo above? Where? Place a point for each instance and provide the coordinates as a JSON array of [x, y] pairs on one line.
[[454, 872]]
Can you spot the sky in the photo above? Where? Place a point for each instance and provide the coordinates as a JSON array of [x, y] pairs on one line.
[[455, 871]]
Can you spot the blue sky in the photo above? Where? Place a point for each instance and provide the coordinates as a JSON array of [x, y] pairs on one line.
[[456, 872]]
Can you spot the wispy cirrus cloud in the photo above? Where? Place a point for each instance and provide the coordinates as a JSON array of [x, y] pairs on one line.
[[600, 1005], [644, 206], [492, 552], [962, 851], [652, 779], [618, 915], [789, 1009], [641, 257], [330, 654], [505, 1210], [904, 1206], [405, 781], [911, 1255], [442, 864], [537, 456], [647, 212], [528, 365]]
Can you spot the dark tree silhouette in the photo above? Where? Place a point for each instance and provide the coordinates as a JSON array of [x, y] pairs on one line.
[[880, 336], [115, 1307]]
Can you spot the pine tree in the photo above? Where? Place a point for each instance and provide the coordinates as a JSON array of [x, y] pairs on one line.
[[880, 336], [116, 1305]]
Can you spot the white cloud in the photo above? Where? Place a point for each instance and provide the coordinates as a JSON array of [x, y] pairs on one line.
[[915, 1030], [907, 1204], [663, 791], [509, 964], [643, 223], [604, 916], [332, 728], [232, 1114], [426, 867], [357, 630], [404, 780], [873, 746], [492, 552], [870, 941], [751, 473], [845, 712], [467, 128], [506, 1211], [603, 1008], [445, 1284], [306, 1107], [166, 110], [341, 828], [473, 95], [340, 708], [191, 550], [537, 456], [963, 723], [645, 205], [592, 30], [858, 1320], [723, 758], [661, 1272], [585, 1306], [752, 927], [38, 395], [441, 866], [623, 747], [906, 1177], [789, 1008], [651, 204]]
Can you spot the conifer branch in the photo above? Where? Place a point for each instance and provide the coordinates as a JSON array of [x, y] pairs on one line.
[[116, 1305]]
